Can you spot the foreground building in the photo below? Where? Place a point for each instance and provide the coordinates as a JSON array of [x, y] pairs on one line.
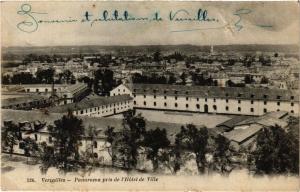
[[34, 124], [241, 131], [209, 99]]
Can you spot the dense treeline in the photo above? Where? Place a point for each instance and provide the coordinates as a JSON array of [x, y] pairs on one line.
[[42, 76], [275, 150]]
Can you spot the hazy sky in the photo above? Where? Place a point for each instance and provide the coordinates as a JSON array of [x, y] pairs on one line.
[[262, 23]]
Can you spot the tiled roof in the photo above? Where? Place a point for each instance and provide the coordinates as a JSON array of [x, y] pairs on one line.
[[240, 135], [276, 114], [85, 104], [65, 87], [75, 87], [229, 124], [264, 120], [254, 124], [43, 85], [216, 92]]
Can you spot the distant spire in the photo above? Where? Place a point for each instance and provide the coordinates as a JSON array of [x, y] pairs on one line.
[[211, 49]]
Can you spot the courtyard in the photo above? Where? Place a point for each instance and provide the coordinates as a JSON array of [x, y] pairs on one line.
[[208, 120]]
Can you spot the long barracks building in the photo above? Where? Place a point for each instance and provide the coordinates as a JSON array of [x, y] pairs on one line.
[[97, 107], [208, 99]]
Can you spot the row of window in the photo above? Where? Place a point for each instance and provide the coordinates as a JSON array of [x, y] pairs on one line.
[[120, 90], [97, 109], [214, 107], [238, 95], [104, 106], [239, 101], [38, 90]]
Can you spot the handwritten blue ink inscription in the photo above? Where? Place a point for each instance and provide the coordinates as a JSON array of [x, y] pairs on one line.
[[31, 20], [30, 24]]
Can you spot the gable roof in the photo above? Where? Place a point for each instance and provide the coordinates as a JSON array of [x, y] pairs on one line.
[[232, 122], [241, 135], [85, 104], [217, 92]]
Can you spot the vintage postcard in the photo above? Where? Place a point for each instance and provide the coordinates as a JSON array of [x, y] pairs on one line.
[[150, 95]]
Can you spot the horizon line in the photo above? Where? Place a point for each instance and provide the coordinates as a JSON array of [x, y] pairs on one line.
[[138, 45]]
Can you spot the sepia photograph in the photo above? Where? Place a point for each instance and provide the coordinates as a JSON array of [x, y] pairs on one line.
[[154, 96]]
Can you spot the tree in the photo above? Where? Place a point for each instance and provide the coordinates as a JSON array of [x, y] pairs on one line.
[[110, 134], [132, 136], [110, 138], [176, 156], [248, 79], [230, 83], [98, 76], [87, 80], [22, 78], [92, 134], [67, 133], [67, 76], [103, 81], [276, 152], [126, 142], [5, 79], [30, 147], [183, 78], [155, 140], [9, 136], [45, 75], [222, 154], [264, 80], [73, 79], [172, 79], [46, 156], [157, 56], [108, 81], [195, 140]]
